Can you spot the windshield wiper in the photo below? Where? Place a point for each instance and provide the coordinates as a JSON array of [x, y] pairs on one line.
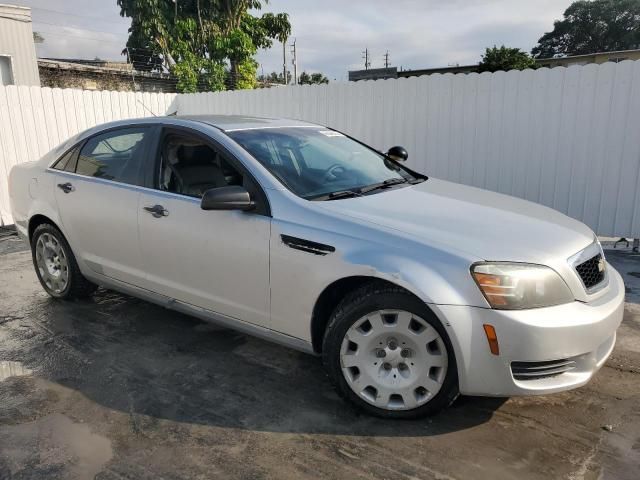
[[343, 194], [390, 182], [394, 181], [337, 195]]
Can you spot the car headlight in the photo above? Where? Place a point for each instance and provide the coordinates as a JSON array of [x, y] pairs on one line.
[[513, 286]]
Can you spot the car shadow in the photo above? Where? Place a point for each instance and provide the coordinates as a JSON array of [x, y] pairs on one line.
[[130, 355]]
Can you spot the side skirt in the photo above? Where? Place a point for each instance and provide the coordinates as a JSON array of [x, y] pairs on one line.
[[203, 314]]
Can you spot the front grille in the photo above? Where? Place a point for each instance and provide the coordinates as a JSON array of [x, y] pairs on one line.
[[592, 271], [538, 370]]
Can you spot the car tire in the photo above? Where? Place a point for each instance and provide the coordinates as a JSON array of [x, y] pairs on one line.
[[379, 300], [56, 266]]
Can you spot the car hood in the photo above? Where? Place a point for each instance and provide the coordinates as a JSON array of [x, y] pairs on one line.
[[484, 224]]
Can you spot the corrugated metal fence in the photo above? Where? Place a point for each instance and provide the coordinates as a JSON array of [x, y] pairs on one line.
[[568, 138], [33, 120]]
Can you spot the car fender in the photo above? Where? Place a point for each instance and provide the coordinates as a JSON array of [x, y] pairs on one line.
[[435, 279], [436, 285], [42, 202], [298, 278]]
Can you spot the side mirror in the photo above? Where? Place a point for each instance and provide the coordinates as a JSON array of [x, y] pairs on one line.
[[399, 154], [233, 197]]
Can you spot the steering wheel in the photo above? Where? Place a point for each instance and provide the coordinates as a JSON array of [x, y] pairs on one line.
[[334, 171]]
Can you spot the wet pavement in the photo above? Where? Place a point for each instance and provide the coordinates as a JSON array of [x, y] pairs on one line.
[[115, 388]]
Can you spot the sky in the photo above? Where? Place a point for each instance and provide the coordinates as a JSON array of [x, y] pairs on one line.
[[331, 34]]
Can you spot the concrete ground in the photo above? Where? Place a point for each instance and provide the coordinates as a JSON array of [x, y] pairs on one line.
[[117, 388]]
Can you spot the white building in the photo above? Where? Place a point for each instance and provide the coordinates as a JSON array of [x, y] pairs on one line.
[[18, 65]]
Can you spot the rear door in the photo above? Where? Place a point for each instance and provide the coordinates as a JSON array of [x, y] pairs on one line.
[[97, 192], [217, 260]]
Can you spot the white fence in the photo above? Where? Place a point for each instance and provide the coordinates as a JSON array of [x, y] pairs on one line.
[[568, 138], [33, 120]]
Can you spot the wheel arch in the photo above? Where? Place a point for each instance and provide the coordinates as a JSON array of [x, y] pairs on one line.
[[331, 296], [39, 219]]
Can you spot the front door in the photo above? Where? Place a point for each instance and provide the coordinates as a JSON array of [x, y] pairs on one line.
[[217, 260], [97, 193]]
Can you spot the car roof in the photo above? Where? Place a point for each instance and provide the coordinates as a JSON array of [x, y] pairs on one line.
[[229, 123], [225, 123]]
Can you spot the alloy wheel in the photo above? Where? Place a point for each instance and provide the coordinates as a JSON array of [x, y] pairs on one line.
[[52, 263]]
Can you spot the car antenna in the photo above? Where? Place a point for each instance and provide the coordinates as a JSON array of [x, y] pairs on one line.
[[145, 107]]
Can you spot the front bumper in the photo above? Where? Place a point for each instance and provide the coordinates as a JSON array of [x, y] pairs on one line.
[[583, 334]]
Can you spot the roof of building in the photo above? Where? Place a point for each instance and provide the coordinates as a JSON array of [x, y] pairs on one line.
[[375, 74], [568, 57], [15, 12], [63, 65], [78, 62]]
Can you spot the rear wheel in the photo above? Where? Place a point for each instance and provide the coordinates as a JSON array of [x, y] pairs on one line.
[[386, 352], [56, 265]]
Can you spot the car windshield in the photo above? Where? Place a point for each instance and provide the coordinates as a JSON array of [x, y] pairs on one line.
[[321, 164]]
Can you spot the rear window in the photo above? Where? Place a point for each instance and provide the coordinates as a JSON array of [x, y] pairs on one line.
[[115, 155], [68, 161]]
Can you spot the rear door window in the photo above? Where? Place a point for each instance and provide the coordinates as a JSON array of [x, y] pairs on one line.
[[117, 155]]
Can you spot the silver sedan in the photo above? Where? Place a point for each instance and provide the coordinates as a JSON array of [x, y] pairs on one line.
[[412, 289]]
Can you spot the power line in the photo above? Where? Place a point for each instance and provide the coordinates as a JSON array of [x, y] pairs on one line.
[[75, 27], [139, 79], [90, 17], [95, 39]]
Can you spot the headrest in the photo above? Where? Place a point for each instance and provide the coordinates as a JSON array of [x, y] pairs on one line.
[[198, 154]]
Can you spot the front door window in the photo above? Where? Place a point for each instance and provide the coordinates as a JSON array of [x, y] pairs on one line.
[[191, 167]]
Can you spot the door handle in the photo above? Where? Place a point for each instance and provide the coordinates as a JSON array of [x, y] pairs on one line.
[[66, 187], [157, 211]]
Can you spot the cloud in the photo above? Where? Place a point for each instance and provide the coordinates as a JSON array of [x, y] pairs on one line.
[[332, 34], [79, 28], [71, 42], [417, 33]]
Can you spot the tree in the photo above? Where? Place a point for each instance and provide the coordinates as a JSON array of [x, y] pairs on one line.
[[206, 44], [274, 77], [505, 58], [593, 26], [37, 37], [313, 79]]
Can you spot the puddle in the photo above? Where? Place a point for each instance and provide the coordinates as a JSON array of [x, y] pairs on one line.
[[71, 448], [12, 369]]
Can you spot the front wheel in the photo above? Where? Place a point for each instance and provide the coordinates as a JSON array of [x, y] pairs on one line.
[[386, 352]]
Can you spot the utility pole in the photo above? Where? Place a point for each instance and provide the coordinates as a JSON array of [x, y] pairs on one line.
[[284, 62], [386, 60], [294, 60], [365, 55]]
